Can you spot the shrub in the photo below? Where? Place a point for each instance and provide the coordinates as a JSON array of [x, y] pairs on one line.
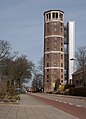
[[67, 86], [66, 92]]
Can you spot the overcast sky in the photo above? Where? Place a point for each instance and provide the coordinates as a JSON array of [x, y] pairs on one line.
[[21, 23]]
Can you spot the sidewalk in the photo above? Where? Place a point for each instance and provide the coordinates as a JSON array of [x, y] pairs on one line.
[[30, 108]]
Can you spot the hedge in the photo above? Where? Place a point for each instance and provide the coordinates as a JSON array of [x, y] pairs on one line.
[[79, 91]]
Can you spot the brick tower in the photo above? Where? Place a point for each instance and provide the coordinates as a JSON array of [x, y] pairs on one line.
[[53, 49]]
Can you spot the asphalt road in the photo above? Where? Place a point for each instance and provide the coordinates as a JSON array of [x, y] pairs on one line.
[[70, 104], [72, 100]]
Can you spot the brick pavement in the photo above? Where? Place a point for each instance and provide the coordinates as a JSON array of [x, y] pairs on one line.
[[30, 108]]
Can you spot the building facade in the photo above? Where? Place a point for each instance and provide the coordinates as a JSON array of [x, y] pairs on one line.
[[69, 50], [79, 77], [53, 49]]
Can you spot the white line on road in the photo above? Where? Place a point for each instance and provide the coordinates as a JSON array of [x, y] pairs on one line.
[[65, 102], [48, 98], [70, 103], [60, 101], [78, 105]]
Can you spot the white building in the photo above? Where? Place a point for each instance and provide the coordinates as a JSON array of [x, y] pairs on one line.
[[69, 50], [71, 37]]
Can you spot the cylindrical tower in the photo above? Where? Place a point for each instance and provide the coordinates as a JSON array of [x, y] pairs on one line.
[[53, 49], [71, 40]]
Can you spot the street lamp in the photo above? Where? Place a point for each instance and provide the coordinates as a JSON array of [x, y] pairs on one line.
[[72, 59]]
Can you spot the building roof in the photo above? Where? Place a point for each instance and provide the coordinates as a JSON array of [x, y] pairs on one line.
[[82, 69], [53, 10]]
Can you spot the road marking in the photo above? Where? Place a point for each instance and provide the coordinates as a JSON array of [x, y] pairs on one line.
[[70, 103], [48, 98], [65, 102], [60, 101], [78, 105]]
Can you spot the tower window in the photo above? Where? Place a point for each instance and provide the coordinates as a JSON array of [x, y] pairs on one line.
[[56, 15], [61, 24], [61, 56], [55, 56], [55, 70], [47, 64], [61, 49], [53, 15], [47, 76], [47, 55], [55, 43], [55, 38], [55, 64], [55, 48], [61, 29], [61, 44], [54, 29], [61, 64], [54, 24], [61, 16], [47, 80], [61, 70], [62, 76], [47, 49], [61, 39], [49, 16], [47, 70]]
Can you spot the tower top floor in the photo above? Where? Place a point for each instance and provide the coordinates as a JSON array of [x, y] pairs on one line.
[[54, 15]]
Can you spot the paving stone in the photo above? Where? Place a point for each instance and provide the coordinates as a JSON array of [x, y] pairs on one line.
[[30, 108]]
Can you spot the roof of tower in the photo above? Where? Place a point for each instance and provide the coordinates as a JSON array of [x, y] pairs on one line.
[[53, 10]]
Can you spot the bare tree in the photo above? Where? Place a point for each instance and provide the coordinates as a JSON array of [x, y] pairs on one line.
[[14, 69], [37, 83], [40, 67], [81, 56], [4, 49], [6, 63]]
